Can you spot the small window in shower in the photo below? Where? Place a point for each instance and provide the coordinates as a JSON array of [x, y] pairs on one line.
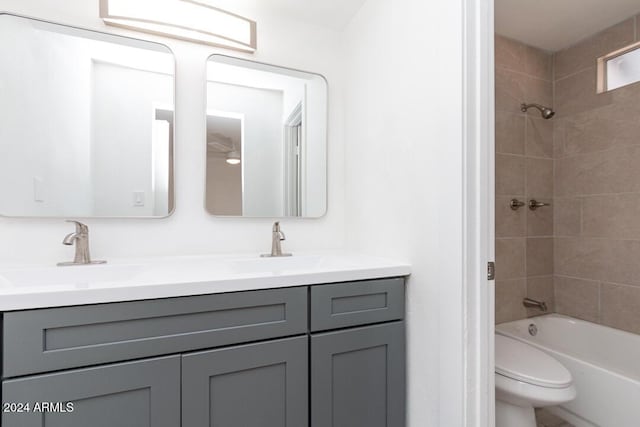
[[619, 68]]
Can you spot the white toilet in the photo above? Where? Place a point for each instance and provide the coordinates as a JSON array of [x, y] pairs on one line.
[[527, 378]]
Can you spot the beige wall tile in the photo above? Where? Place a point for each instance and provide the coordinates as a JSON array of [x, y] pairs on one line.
[[539, 184], [509, 223], [541, 289], [585, 53], [510, 90], [613, 216], [614, 125], [620, 307], [516, 56], [538, 63], [510, 172], [539, 139], [539, 256], [509, 296], [627, 98], [509, 54], [559, 135], [577, 93], [585, 132], [577, 298], [612, 171], [540, 221], [579, 257], [510, 258], [567, 216], [539, 92], [510, 133], [605, 260]]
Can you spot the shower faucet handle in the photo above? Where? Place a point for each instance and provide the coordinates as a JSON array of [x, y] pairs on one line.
[[516, 204], [534, 204]]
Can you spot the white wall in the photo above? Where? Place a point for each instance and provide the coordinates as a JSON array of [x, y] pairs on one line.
[[262, 162], [314, 153], [191, 230], [34, 108], [404, 180], [122, 118]]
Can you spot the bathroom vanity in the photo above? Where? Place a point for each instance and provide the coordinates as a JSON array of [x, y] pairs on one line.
[[296, 355], [229, 341]]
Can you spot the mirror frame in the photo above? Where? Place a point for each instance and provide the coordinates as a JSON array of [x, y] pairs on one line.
[[172, 164], [326, 139]]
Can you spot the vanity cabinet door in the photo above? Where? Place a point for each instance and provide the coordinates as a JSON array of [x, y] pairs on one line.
[[358, 377], [135, 394], [256, 385]]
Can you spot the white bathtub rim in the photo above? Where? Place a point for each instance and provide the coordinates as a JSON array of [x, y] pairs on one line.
[[569, 356]]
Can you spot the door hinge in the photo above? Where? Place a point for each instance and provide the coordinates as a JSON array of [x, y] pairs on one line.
[[491, 270]]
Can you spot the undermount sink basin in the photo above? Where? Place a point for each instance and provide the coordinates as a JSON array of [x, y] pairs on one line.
[[52, 276]]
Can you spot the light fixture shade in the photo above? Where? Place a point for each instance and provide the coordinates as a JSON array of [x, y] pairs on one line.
[[192, 20], [233, 158]]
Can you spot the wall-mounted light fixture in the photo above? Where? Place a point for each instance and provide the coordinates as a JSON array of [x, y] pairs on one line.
[[192, 20]]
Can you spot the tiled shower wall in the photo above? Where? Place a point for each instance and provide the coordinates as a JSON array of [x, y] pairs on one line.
[[524, 170], [582, 256], [597, 186]]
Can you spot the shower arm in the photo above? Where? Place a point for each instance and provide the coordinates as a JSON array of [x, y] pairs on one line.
[[546, 112]]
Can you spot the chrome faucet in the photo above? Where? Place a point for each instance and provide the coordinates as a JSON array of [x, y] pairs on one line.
[[277, 236], [531, 303], [81, 239]]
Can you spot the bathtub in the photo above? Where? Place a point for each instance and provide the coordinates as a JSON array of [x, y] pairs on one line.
[[604, 362]]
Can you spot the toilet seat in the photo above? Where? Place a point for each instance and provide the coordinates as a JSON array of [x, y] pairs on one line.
[[525, 363]]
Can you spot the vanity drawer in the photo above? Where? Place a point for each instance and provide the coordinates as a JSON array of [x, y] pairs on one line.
[[61, 338], [344, 305]]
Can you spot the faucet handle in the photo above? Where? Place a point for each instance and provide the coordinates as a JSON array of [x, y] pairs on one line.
[[80, 227]]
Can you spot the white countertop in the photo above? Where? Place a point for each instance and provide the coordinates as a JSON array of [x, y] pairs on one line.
[[28, 287]]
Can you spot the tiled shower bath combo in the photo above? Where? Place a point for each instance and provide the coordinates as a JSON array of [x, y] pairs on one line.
[[580, 255]]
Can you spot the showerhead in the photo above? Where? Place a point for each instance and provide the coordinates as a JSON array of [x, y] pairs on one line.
[[546, 112]]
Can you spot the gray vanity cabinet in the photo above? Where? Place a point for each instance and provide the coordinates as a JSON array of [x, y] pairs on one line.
[[132, 394], [329, 355], [358, 377], [263, 384]]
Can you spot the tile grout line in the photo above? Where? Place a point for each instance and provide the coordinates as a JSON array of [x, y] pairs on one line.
[[553, 156], [524, 155], [521, 73], [590, 153], [599, 317], [597, 282], [586, 195], [526, 214]]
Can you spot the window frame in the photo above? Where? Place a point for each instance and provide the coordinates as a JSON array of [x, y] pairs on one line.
[[602, 78]]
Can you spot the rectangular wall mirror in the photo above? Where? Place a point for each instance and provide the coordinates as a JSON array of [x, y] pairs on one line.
[[86, 123], [266, 140]]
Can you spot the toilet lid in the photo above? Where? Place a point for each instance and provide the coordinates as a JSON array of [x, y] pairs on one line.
[[523, 362]]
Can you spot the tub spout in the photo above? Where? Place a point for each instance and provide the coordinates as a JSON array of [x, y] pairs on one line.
[[531, 303]]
